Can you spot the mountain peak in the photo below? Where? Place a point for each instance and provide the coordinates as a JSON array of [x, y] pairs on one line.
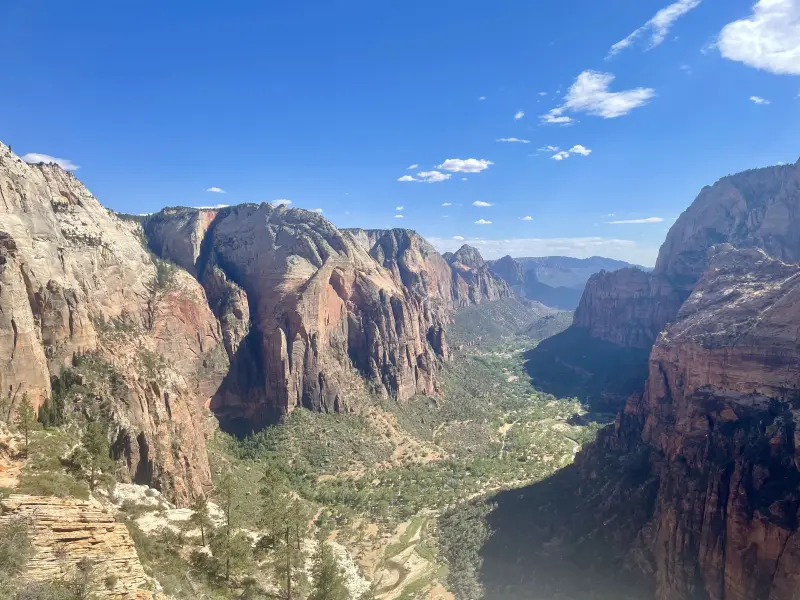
[[468, 256]]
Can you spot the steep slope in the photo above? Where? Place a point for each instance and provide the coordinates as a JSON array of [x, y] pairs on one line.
[[76, 281], [697, 484], [717, 421], [312, 309], [473, 282]]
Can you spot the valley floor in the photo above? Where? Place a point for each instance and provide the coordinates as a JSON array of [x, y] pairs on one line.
[[399, 489]]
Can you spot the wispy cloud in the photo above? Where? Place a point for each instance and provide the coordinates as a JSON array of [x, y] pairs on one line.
[[686, 69], [398, 216], [407, 178], [410, 167], [465, 165], [590, 94], [482, 98], [658, 27], [458, 238], [559, 154], [482, 222], [216, 190], [519, 115], [759, 100], [769, 39], [513, 140], [481, 203], [447, 204], [526, 218], [281, 202], [64, 163], [399, 208], [433, 176], [637, 221], [543, 93]]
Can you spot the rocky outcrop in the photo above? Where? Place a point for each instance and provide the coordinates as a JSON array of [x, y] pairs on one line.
[[68, 534], [510, 271], [76, 280], [717, 423], [753, 209], [306, 308], [627, 307], [473, 282]]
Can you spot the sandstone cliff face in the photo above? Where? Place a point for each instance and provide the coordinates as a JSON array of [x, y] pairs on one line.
[[473, 282], [65, 532], [76, 280], [718, 423], [307, 308], [753, 209], [627, 307]]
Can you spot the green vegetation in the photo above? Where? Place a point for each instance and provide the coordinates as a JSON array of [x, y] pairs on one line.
[[329, 581], [25, 419], [90, 461], [462, 533]]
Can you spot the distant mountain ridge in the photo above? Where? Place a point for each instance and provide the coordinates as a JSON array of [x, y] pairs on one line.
[[556, 281]]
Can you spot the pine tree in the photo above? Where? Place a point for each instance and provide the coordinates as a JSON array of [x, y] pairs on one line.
[[285, 521], [92, 457], [329, 580], [25, 419], [201, 518], [230, 545]]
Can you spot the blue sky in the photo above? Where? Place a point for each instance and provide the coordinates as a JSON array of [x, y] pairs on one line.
[[327, 104]]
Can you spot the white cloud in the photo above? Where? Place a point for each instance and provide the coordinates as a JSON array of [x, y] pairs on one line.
[[549, 149], [590, 94], [769, 39], [459, 238], [433, 176], [556, 116], [637, 221], [215, 207], [759, 100], [317, 210], [686, 69], [465, 165], [447, 204], [578, 149], [526, 218], [560, 155], [410, 167], [64, 163], [463, 179], [513, 140], [216, 190], [482, 98], [281, 202], [519, 115], [482, 222], [481, 203], [398, 216], [399, 208], [658, 27], [577, 247], [543, 93], [407, 178]]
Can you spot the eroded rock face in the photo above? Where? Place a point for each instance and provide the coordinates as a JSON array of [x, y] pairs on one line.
[[76, 280], [753, 209], [627, 307], [306, 308], [473, 282], [718, 420], [67, 531]]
